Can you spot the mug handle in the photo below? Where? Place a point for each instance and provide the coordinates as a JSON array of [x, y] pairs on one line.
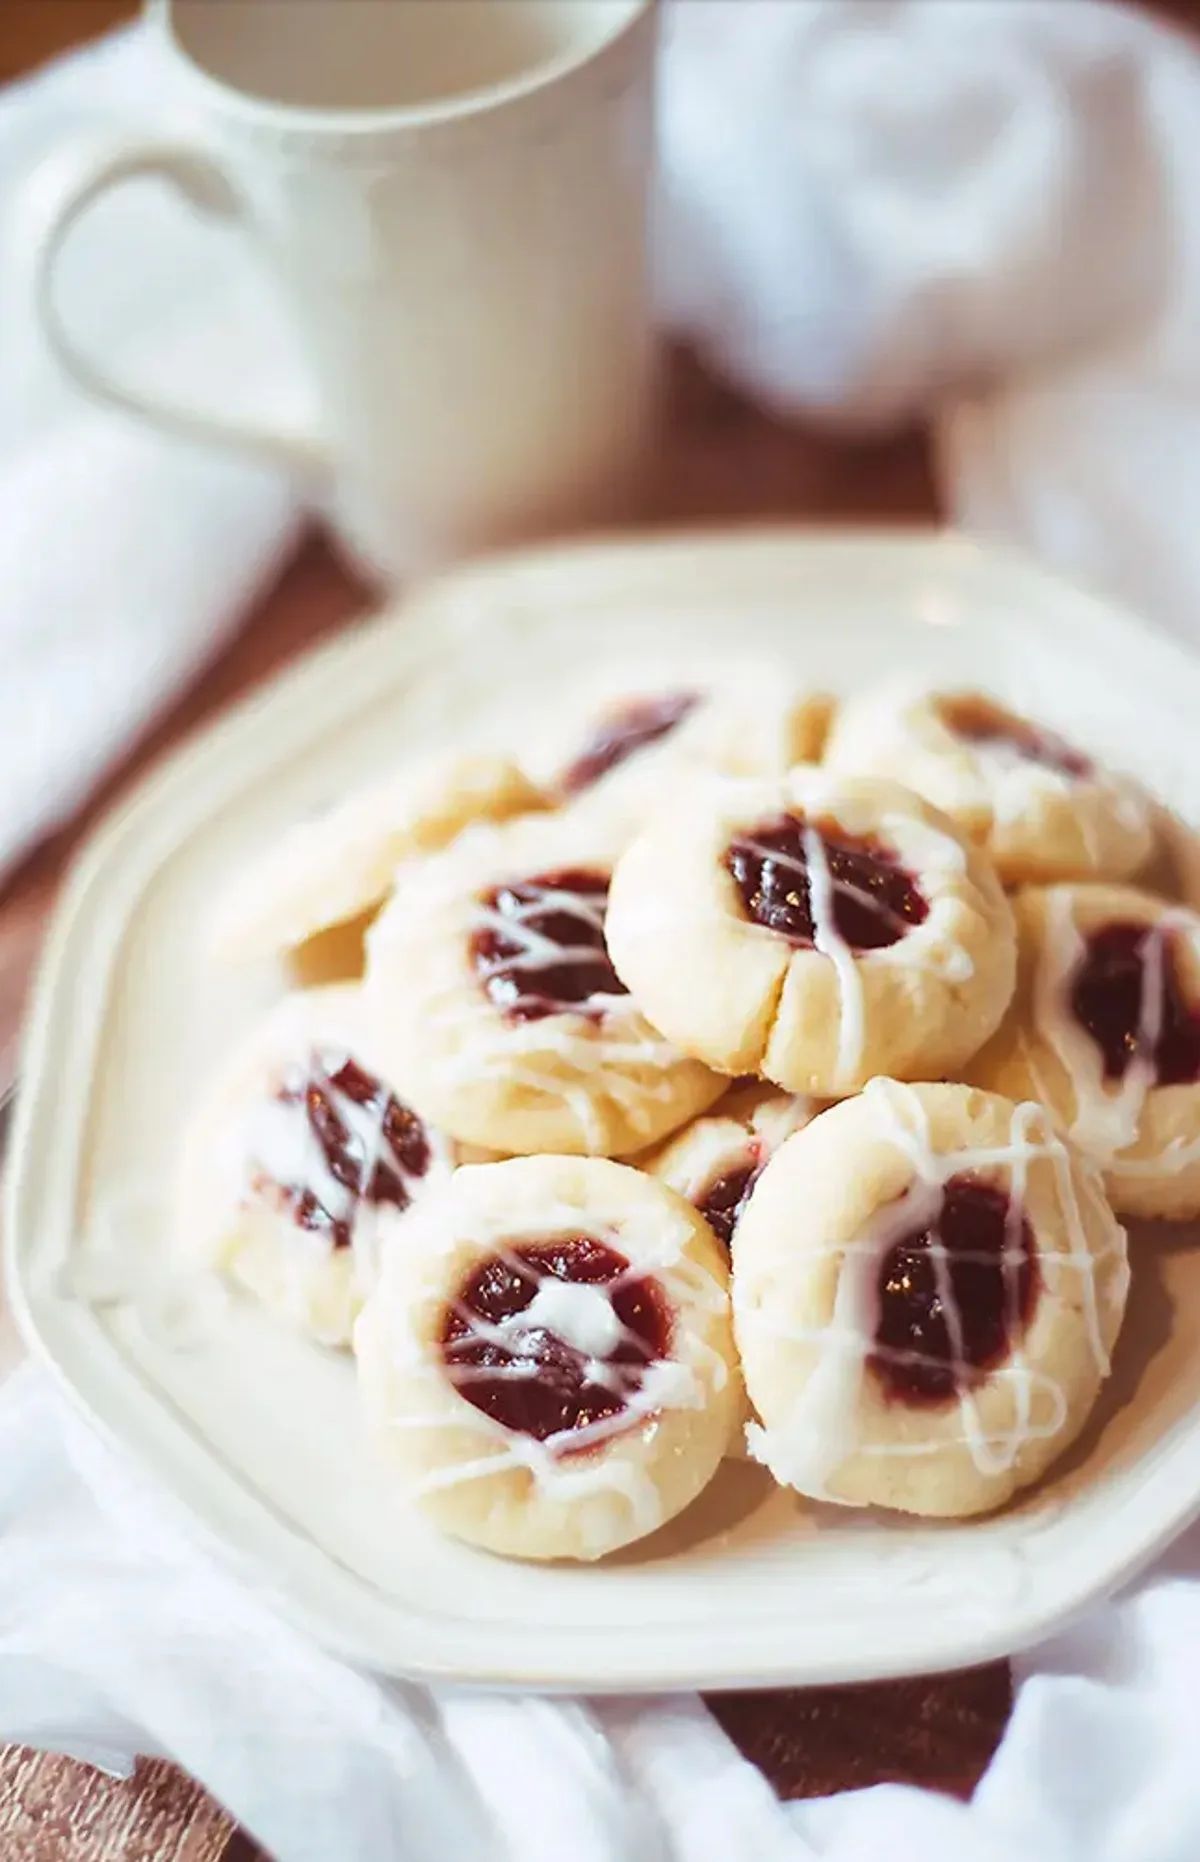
[[64, 190]]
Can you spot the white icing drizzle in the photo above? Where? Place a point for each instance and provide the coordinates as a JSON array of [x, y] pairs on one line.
[[931, 854], [579, 1312], [823, 1428], [822, 905], [606, 1052], [622, 1061], [537, 951], [1107, 1118], [655, 1251], [277, 1145]]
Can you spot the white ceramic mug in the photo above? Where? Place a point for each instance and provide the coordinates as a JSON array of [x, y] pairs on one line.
[[452, 197]]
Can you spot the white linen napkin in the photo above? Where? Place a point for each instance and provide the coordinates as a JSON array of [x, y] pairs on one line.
[[126, 558], [119, 1635], [989, 214], [871, 206]]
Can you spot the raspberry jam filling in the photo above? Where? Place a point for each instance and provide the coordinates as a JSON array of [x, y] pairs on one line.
[[723, 1201], [643, 721], [947, 1315], [978, 721], [1126, 993], [554, 1337], [862, 894], [334, 1137], [541, 949]]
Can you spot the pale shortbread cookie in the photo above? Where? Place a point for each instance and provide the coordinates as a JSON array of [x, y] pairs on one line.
[[1042, 809], [548, 1362], [494, 1001], [631, 736], [340, 864], [285, 1140], [928, 1284], [1105, 1030], [1173, 869], [883, 941], [716, 1160]]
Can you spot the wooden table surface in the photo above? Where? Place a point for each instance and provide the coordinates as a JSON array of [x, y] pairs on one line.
[[724, 461]]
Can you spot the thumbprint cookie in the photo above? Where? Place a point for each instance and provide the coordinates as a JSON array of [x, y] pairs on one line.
[[340, 864], [813, 929], [494, 999], [928, 1285], [1105, 1030], [1173, 869], [548, 1361], [296, 1151], [717, 1159], [1043, 810], [629, 739]]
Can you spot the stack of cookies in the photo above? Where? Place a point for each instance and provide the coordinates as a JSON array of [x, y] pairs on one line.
[[738, 1072]]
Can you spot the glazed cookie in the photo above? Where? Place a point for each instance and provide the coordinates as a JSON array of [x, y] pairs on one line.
[[499, 1012], [632, 737], [813, 929], [1042, 809], [1105, 1030], [294, 1152], [548, 1360], [1173, 869], [717, 1159], [341, 864], [928, 1284]]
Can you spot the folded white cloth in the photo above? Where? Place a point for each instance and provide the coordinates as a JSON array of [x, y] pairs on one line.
[[989, 214], [126, 558], [118, 1635], [871, 207]]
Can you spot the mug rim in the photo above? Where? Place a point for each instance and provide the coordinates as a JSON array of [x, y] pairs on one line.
[[343, 121]]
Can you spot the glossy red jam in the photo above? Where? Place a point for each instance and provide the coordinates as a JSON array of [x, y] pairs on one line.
[[724, 1199], [372, 1146], [978, 721], [643, 721], [547, 953], [875, 901], [526, 1377], [1126, 994], [938, 1333]]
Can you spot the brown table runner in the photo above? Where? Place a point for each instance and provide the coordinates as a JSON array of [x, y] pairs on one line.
[[809, 1743]]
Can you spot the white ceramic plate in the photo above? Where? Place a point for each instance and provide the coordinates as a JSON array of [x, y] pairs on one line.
[[256, 1434]]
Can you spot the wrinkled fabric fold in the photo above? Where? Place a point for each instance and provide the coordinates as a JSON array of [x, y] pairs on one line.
[[121, 1633], [987, 216], [127, 558]]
